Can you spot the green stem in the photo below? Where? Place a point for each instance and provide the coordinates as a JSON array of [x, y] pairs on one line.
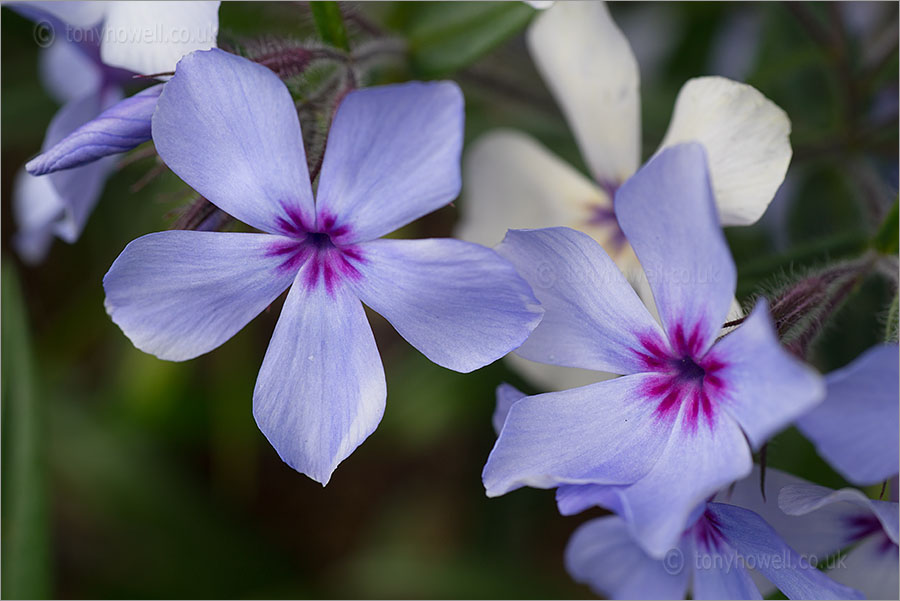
[[330, 24]]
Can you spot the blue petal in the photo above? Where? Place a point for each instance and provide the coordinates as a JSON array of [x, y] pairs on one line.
[[229, 128], [321, 390], [602, 554], [801, 499], [668, 214], [118, 129], [764, 387], [393, 155], [179, 294], [506, 396], [601, 433], [69, 72], [762, 548], [855, 429], [718, 569], [592, 317], [696, 462], [459, 303]]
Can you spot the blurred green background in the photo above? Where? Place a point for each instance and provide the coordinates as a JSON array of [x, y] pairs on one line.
[[126, 476]]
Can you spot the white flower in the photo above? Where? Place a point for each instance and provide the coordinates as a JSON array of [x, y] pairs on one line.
[[511, 181]]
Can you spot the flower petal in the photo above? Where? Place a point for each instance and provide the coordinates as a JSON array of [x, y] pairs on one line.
[[801, 499], [855, 429], [871, 567], [37, 206], [667, 213], [506, 396], [719, 573], [118, 129], [553, 377], [179, 294], [393, 156], [764, 387], [150, 37], [321, 390], [588, 65], [602, 433], [228, 127], [510, 181], [67, 72], [459, 303], [592, 317], [696, 463], [746, 137], [77, 14], [602, 554], [758, 543]]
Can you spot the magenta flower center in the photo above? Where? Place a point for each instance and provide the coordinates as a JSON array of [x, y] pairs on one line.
[[320, 250], [684, 377]]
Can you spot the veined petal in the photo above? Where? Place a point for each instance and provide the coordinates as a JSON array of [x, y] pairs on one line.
[[321, 390], [801, 499], [746, 137], [855, 428], [602, 433], [118, 129], [393, 156], [764, 387], [592, 317], [150, 37], [758, 543], [462, 305], [67, 72], [588, 65], [697, 462], [667, 213], [510, 181], [228, 127], [553, 377], [506, 396], [179, 294], [602, 554]]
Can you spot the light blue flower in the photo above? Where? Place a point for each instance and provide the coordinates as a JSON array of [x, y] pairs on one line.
[[229, 128], [856, 428], [680, 424]]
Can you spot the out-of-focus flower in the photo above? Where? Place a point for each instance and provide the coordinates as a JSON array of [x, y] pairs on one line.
[[511, 181], [855, 428], [656, 442], [97, 47], [229, 128], [141, 37], [850, 519], [715, 557]]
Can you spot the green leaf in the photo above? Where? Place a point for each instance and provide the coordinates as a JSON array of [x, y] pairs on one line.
[[26, 535], [330, 24], [447, 36], [887, 240]]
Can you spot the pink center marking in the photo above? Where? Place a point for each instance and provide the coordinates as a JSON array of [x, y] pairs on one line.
[[321, 250]]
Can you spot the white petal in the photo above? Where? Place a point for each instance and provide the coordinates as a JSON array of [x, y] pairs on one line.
[[510, 181], [591, 70], [747, 143], [150, 37]]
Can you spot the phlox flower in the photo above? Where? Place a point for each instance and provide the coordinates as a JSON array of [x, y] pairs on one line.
[[728, 551], [97, 49], [856, 428], [512, 181], [846, 520], [229, 128], [680, 424]]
